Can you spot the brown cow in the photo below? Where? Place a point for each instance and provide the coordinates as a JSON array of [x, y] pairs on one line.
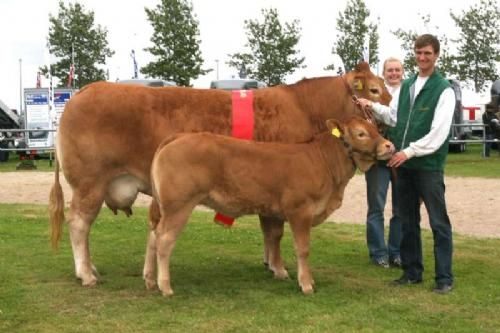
[[109, 132], [300, 183]]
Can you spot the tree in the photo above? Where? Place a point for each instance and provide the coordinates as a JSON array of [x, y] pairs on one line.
[[273, 49], [353, 31], [447, 61], [72, 35], [176, 44], [479, 43]]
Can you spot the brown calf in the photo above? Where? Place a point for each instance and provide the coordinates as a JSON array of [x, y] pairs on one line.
[[300, 183]]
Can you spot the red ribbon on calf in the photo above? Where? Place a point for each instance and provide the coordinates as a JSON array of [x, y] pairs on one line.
[[242, 128]]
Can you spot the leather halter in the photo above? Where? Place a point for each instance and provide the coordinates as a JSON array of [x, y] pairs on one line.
[[368, 115]]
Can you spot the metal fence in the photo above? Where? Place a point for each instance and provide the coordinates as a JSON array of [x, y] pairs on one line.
[[23, 138]]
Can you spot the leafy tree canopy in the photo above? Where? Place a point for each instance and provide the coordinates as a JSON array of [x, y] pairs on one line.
[[479, 43], [176, 44], [353, 31], [72, 35], [273, 49]]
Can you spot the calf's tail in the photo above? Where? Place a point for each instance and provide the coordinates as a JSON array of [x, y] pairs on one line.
[[56, 209]]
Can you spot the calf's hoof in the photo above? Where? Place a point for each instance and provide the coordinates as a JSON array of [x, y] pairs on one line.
[[280, 274], [167, 293], [89, 282], [150, 284], [165, 288]]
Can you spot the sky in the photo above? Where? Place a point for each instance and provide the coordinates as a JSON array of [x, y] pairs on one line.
[[25, 24]]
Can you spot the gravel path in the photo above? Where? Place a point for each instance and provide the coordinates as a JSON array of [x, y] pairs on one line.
[[473, 203]]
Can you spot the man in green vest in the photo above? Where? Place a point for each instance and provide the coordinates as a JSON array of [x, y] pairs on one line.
[[425, 110]]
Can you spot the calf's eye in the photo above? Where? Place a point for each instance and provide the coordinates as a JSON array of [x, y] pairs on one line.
[[374, 91]]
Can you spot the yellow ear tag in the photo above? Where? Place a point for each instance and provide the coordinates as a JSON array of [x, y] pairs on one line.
[[336, 132], [358, 85]]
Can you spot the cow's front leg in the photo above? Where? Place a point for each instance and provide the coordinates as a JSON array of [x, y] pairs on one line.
[[272, 230], [301, 229]]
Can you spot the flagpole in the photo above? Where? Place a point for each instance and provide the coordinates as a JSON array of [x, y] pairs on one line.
[[20, 86], [136, 70], [73, 64]]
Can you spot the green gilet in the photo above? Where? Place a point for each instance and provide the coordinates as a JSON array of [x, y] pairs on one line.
[[414, 121]]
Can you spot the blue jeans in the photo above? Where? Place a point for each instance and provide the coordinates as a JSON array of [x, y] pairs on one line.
[[429, 186], [487, 145], [377, 183]]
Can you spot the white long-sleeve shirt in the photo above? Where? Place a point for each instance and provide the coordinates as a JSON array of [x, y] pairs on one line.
[[440, 126], [388, 114]]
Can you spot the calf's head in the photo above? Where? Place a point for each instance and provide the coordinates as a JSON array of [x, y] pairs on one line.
[[362, 139]]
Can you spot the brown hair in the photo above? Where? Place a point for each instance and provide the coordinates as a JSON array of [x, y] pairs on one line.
[[427, 39]]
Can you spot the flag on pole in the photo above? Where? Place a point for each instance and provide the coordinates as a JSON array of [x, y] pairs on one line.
[[38, 80], [71, 75], [136, 70], [366, 49], [51, 87]]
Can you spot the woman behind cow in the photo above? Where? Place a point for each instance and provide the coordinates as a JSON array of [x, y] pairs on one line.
[[378, 179]]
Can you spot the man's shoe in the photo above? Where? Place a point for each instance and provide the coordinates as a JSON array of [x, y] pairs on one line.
[[442, 288], [395, 262], [403, 280], [382, 262]]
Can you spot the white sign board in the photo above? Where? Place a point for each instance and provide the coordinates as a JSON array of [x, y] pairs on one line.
[[61, 97], [37, 116]]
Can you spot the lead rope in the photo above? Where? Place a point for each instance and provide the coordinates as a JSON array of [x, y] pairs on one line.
[[369, 116]]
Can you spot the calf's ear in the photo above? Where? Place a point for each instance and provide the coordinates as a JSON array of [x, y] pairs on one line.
[[335, 127]]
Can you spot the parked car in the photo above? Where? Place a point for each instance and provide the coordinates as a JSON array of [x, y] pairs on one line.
[[237, 84], [149, 82]]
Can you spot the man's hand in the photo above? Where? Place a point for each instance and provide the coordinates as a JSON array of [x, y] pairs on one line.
[[397, 159], [364, 103]]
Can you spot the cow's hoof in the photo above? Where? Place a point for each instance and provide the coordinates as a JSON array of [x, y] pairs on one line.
[[150, 284], [308, 290], [281, 274]]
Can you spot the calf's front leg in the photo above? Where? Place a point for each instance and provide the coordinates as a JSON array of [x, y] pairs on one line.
[[301, 229]]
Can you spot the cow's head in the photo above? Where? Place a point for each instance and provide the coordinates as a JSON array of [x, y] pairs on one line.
[[362, 139], [363, 83]]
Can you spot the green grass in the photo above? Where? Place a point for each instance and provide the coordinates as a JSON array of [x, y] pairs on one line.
[[222, 286], [472, 164], [41, 165]]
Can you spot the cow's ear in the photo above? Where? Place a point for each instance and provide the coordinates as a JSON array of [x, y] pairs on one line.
[[357, 83], [335, 127], [362, 67]]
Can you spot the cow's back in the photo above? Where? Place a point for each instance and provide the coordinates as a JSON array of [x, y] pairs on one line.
[[112, 128]]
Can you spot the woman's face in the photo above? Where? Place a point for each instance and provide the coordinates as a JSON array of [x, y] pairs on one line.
[[393, 73]]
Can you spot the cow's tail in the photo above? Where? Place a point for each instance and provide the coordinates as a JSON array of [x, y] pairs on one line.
[[56, 209]]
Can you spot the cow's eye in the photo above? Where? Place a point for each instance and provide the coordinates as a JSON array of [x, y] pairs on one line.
[[361, 134], [374, 91]]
